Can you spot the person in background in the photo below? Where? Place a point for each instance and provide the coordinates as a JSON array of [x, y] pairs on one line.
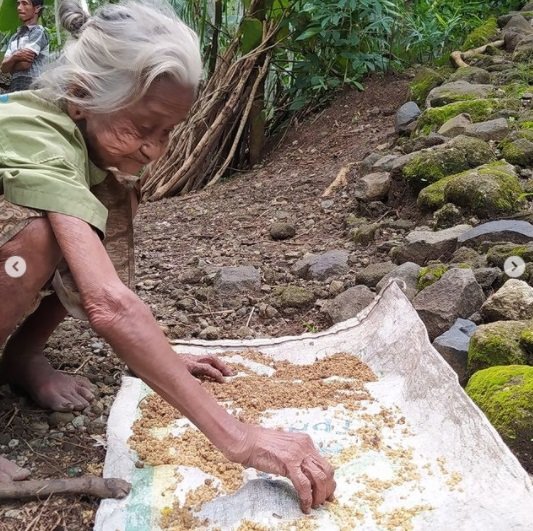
[[27, 50]]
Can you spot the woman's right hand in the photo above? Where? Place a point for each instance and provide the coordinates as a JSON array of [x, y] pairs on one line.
[[288, 454]]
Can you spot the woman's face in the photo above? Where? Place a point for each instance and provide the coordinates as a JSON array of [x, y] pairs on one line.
[[131, 138]]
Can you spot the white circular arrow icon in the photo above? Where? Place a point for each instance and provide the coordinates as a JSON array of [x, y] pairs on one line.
[[514, 267], [15, 266]]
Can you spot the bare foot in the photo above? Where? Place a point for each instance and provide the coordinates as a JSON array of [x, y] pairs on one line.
[[11, 472], [25, 368], [50, 389]]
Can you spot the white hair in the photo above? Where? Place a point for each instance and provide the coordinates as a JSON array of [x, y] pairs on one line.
[[114, 56]]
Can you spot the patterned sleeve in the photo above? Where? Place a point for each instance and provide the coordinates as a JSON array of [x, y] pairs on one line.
[[37, 40], [10, 48]]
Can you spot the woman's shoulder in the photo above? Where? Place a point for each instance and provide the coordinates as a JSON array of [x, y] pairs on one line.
[[32, 126]]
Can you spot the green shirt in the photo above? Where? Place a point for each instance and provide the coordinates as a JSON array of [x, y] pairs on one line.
[[44, 162]]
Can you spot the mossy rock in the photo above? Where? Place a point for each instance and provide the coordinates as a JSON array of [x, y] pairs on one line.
[[479, 110], [430, 274], [492, 189], [497, 344], [482, 34], [432, 197], [505, 395], [519, 152], [453, 157], [472, 74], [526, 343], [461, 90], [447, 216], [425, 80], [498, 254], [293, 297]]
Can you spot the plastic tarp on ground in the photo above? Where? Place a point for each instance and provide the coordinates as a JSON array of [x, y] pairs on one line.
[[494, 493]]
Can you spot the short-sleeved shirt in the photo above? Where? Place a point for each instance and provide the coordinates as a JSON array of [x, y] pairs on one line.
[[34, 38], [44, 162]]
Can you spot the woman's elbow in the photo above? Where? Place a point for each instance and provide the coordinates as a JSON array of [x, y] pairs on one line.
[[110, 307]]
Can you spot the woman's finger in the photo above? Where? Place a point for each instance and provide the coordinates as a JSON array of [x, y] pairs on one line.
[[303, 488], [216, 362], [204, 369], [319, 481]]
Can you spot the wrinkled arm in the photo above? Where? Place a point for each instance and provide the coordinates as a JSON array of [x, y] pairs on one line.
[[128, 326]]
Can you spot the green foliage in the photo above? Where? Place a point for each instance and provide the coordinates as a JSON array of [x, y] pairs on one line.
[[482, 34]]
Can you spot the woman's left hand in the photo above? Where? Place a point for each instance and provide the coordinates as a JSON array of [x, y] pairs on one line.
[[206, 366]]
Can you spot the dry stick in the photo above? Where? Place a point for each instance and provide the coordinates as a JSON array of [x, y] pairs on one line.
[[203, 146], [457, 56], [244, 120], [340, 180], [89, 485]]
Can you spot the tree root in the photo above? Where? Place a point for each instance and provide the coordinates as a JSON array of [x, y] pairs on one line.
[[458, 58]]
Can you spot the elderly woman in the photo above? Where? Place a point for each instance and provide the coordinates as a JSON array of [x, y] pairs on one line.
[[103, 111]]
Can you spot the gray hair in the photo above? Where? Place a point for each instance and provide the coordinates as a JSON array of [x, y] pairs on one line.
[[114, 56]]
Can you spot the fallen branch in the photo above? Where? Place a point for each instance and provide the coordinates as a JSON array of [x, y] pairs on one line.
[[42, 488], [458, 57], [340, 180]]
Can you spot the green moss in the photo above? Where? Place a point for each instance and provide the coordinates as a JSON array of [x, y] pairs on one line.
[[425, 80], [432, 197], [293, 297], [505, 395], [526, 343], [496, 344], [479, 110], [430, 274], [526, 125], [499, 253], [482, 34], [518, 151], [515, 90], [433, 165], [472, 74], [487, 191]]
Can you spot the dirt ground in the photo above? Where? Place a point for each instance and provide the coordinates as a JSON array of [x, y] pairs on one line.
[[178, 242]]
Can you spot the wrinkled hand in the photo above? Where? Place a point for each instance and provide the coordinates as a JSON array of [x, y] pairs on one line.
[[292, 455], [206, 366]]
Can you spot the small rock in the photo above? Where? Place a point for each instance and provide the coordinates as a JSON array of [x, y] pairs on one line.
[[456, 294], [282, 231], [78, 421], [40, 428], [447, 216], [192, 275], [348, 304], [373, 187], [74, 471], [456, 126], [406, 276], [490, 130], [488, 277], [245, 332], [498, 231], [467, 255], [336, 287], [97, 345], [425, 245], [59, 418], [384, 163], [365, 234], [97, 426], [368, 162], [406, 115], [453, 346], [13, 443], [372, 274], [294, 297], [322, 266], [512, 302], [235, 280], [210, 333], [186, 304]]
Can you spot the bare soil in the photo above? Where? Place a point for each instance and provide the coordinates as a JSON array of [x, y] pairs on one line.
[[179, 241]]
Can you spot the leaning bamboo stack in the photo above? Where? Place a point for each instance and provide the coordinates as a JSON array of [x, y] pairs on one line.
[[213, 139]]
